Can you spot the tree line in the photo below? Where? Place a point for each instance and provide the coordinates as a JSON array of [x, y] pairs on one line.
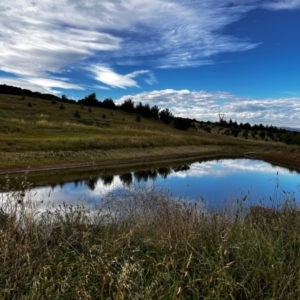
[[165, 115], [145, 110], [12, 90]]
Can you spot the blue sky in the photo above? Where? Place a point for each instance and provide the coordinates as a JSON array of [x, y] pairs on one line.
[[197, 57]]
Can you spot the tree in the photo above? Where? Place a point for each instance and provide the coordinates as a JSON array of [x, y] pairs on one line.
[[127, 105], [64, 98], [108, 103], [182, 124], [155, 112], [143, 110], [166, 116], [91, 100], [262, 134], [77, 114]]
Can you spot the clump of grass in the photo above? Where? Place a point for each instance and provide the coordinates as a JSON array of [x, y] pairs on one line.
[[144, 244], [77, 114]]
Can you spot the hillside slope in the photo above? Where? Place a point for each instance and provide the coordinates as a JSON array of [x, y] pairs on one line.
[[36, 132]]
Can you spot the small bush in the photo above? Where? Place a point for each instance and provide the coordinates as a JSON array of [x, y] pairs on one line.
[[29, 104], [138, 118], [62, 106], [77, 114], [103, 116]]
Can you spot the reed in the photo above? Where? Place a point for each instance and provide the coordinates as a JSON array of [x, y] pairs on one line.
[[144, 244]]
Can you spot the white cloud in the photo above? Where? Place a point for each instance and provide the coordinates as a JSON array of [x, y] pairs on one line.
[[41, 37], [42, 85], [108, 76], [227, 167], [206, 106], [282, 4]]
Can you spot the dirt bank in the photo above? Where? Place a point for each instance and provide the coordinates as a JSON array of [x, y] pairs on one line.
[[122, 162]]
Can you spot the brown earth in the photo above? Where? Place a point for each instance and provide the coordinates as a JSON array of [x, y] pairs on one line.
[[123, 162]]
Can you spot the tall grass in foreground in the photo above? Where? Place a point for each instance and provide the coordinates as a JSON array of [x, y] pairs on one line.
[[146, 245]]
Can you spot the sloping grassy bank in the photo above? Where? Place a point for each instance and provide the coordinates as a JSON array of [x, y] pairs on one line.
[[147, 245], [42, 134]]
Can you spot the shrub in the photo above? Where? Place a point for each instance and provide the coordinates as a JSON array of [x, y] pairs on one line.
[[77, 114]]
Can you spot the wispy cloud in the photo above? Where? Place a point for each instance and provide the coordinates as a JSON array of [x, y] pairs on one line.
[[42, 38], [282, 4], [42, 85], [107, 76], [203, 105]]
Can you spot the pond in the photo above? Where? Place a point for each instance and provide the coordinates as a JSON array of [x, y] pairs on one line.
[[215, 183]]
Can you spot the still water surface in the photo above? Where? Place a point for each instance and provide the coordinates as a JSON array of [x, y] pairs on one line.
[[218, 182]]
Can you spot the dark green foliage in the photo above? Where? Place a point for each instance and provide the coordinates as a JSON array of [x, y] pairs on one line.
[[245, 134], [108, 103], [182, 124], [127, 105], [103, 116], [11, 90], [155, 112], [235, 132], [64, 98], [29, 104], [166, 116], [292, 138], [61, 106], [77, 114], [270, 134], [138, 118], [143, 110], [90, 100], [262, 134]]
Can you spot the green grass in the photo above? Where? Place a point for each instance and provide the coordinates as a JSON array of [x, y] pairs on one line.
[[144, 244], [44, 134]]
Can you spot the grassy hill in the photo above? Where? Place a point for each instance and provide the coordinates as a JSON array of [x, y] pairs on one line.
[[40, 132]]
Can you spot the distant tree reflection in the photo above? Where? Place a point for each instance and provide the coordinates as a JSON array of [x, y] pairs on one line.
[[164, 172], [153, 174], [181, 168], [91, 183], [126, 179], [141, 176], [107, 180], [76, 182], [62, 184]]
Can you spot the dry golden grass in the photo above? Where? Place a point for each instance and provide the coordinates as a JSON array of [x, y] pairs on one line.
[[144, 244], [31, 135]]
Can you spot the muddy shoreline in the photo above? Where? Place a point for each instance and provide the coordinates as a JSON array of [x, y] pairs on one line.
[[139, 161], [111, 163]]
